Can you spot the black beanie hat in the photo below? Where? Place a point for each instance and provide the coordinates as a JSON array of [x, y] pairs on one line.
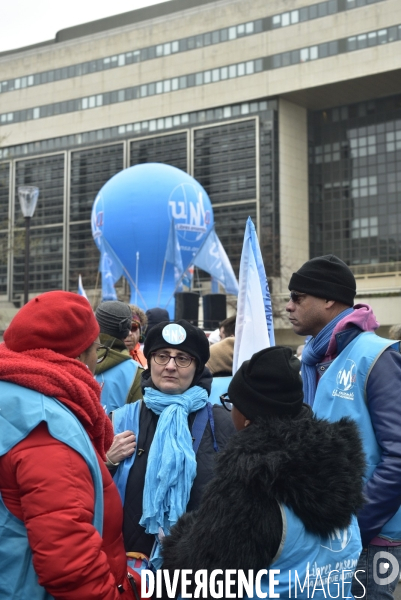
[[195, 342], [325, 277], [156, 316], [268, 384], [114, 318]]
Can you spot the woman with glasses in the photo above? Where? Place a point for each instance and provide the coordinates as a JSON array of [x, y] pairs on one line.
[[60, 514], [285, 494], [178, 434]]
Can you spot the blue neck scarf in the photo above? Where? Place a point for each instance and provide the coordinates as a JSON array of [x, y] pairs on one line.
[[313, 353], [171, 467]]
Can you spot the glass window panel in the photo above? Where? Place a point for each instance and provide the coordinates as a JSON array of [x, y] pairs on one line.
[[276, 21], [294, 17], [167, 49], [232, 33], [249, 67], [215, 75], [175, 46], [276, 61], [199, 79], [207, 77], [362, 41], [285, 19], [313, 52], [241, 69], [303, 14], [232, 71], [304, 54], [382, 36], [170, 149]]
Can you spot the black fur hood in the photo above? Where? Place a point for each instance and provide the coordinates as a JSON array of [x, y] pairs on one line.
[[312, 466]]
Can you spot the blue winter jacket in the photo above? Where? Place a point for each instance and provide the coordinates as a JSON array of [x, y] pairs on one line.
[[383, 399]]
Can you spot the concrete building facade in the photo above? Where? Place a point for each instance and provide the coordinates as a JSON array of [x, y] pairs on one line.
[[287, 111]]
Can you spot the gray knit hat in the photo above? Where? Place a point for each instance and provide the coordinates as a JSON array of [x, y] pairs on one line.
[[114, 318]]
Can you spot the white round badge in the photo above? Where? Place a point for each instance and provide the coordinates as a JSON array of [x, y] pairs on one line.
[[174, 333]]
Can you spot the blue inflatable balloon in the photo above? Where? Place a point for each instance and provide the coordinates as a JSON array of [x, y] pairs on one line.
[[133, 218]]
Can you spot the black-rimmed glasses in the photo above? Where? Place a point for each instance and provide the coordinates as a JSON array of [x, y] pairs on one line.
[[102, 352], [181, 360], [225, 400], [296, 297]]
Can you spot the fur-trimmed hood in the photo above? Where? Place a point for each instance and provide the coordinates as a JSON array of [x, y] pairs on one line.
[[311, 465]]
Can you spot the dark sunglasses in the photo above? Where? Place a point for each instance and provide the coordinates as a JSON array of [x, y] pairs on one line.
[[135, 326], [225, 400], [296, 298]]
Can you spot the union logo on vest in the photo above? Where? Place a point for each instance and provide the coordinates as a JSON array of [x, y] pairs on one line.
[[346, 379]]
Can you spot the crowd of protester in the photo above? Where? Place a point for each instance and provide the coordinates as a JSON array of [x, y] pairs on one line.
[[127, 443]]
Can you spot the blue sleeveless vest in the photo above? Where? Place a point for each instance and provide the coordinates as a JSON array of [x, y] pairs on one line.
[[312, 566], [21, 410], [219, 387], [116, 384], [342, 393], [126, 417]]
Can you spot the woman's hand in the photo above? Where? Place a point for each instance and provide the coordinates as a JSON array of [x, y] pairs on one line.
[[123, 446]]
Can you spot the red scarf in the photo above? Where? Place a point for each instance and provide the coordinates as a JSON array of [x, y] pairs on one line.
[[66, 379]]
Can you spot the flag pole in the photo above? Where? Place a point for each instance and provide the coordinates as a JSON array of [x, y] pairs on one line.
[[136, 278]]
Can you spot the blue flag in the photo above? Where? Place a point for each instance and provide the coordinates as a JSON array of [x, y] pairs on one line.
[[213, 259], [252, 332], [111, 270], [173, 252]]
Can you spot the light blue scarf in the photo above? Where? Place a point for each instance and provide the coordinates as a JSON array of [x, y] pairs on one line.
[[171, 467], [313, 354]]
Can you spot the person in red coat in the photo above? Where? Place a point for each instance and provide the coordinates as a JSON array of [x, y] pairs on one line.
[[60, 512]]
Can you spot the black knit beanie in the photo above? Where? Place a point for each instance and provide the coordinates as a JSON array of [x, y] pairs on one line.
[[195, 341], [114, 318], [156, 316], [268, 384], [325, 277]]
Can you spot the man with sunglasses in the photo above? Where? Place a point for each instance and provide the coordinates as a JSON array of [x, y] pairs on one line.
[[349, 371]]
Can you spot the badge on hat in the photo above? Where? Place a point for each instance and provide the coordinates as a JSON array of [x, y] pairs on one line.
[[174, 334]]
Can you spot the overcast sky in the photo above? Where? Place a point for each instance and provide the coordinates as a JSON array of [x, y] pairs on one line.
[[25, 22]]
